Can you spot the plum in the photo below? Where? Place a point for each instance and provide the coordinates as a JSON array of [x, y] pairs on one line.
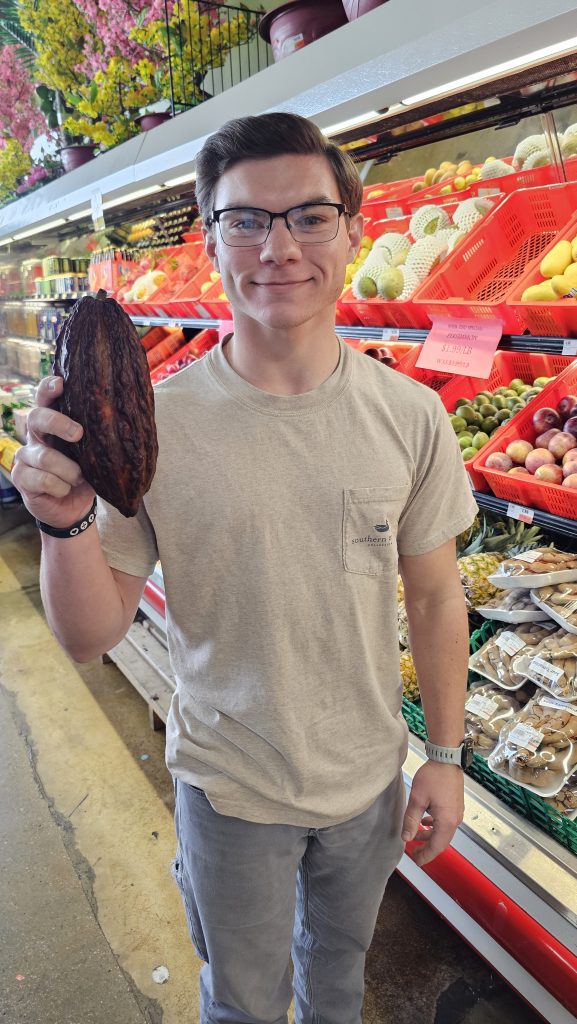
[[570, 426], [550, 472], [562, 443], [518, 451], [538, 457], [565, 405], [500, 461], [546, 418], [542, 440]]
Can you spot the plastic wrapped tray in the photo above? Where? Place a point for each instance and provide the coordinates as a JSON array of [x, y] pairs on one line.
[[522, 571], [497, 659], [552, 665], [562, 611], [513, 607], [537, 748], [487, 709]]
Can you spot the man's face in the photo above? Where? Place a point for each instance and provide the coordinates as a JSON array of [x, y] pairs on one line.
[[282, 284]]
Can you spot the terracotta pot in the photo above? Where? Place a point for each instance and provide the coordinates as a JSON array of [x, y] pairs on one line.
[[153, 119], [75, 156], [295, 24], [354, 8]]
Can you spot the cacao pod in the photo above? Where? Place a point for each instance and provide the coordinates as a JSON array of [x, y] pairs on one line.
[[107, 389]]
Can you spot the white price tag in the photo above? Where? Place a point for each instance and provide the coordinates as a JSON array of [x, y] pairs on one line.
[[523, 514], [528, 556], [570, 347], [525, 736], [393, 212], [390, 334], [553, 702], [540, 667], [482, 707], [509, 642]]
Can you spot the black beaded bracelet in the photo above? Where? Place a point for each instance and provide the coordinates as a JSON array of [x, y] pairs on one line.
[[70, 531]]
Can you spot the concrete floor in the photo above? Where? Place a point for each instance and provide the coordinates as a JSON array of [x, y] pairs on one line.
[[89, 909]]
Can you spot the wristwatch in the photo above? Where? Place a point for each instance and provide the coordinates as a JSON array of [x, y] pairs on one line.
[[462, 756]]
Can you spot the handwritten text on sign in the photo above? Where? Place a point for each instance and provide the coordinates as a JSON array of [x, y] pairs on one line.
[[464, 347]]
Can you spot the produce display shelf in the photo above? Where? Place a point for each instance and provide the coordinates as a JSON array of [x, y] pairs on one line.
[[556, 524]]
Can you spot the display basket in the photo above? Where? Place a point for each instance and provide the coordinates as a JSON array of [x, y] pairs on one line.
[[476, 279], [385, 313], [506, 367], [522, 489], [546, 318], [530, 806], [188, 301]]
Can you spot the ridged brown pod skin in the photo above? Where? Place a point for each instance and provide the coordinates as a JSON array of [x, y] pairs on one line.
[[107, 389]]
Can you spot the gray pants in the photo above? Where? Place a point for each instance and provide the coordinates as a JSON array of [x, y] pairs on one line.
[[245, 911]]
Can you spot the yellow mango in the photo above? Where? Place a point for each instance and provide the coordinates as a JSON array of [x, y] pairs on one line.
[[539, 293], [567, 282], [429, 175], [556, 261]]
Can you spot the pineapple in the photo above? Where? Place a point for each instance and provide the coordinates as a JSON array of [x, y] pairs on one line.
[[409, 676], [400, 589], [474, 570], [403, 625]]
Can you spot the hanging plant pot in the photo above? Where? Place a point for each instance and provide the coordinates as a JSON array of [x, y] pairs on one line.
[[153, 119], [293, 25], [75, 156], [355, 8]]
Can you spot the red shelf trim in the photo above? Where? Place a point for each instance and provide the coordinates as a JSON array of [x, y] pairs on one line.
[[154, 595], [531, 945]]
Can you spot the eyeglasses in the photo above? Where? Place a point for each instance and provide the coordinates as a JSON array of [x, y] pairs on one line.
[[308, 224]]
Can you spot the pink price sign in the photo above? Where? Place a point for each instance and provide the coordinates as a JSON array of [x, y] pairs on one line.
[[462, 347]]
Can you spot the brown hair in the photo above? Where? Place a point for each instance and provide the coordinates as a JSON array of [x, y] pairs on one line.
[[267, 135]]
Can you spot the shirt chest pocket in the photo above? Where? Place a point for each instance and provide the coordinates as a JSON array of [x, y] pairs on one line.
[[370, 521]]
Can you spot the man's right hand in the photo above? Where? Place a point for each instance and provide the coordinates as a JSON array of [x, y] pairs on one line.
[[52, 486]]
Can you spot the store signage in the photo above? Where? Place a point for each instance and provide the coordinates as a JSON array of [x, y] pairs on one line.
[[462, 347]]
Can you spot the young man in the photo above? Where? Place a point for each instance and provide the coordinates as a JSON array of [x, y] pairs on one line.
[[294, 477]]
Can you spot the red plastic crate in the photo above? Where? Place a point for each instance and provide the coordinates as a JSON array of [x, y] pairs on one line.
[[476, 279], [526, 490], [552, 318], [506, 367], [383, 313]]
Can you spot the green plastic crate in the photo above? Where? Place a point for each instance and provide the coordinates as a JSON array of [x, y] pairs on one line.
[[526, 803]]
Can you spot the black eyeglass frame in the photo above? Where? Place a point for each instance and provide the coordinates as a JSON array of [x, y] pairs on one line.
[[216, 214]]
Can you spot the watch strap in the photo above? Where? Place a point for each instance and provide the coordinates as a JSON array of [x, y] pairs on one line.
[[445, 755]]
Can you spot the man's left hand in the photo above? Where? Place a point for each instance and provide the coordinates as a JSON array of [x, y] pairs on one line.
[[435, 809]]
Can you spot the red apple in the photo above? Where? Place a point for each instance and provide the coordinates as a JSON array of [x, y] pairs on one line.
[[518, 451], [565, 405], [538, 457], [551, 473], [518, 471], [500, 461], [542, 440], [545, 418], [570, 426], [562, 443], [570, 481]]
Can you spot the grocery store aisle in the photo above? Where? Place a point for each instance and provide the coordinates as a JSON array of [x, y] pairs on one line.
[[89, 908]]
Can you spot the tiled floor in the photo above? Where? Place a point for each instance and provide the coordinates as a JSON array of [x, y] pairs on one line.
[[89, 908]]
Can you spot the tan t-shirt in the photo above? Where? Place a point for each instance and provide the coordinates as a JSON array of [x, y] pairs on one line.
[[278, 521]]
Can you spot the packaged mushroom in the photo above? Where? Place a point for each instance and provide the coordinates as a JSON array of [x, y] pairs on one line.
[[559, 602], [537, 747], [552, 665], [565, 801], [513, 606], [487, 709], [497, 659], [541, 567]]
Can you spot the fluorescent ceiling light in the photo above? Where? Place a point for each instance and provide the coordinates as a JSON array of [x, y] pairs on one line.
[[108, 205], [80, 213], [352, 122], [40, 229], [568, 45], [184, 178]]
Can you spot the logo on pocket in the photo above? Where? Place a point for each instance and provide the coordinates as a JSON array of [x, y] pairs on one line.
[[382, 527]]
